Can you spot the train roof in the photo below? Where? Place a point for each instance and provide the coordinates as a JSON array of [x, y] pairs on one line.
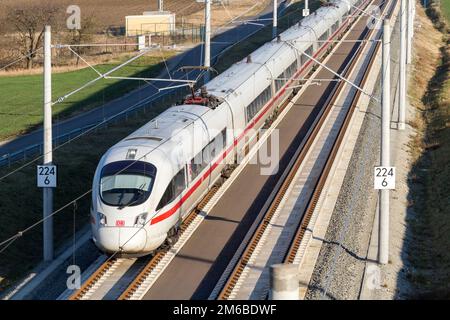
[[310, 29], [163, 126], [268, 60]]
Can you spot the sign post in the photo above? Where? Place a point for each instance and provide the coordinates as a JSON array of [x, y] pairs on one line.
[[47, 176], [48, 156], [384, 176]]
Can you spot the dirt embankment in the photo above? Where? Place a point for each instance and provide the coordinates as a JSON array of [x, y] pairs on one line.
[[429, 220]]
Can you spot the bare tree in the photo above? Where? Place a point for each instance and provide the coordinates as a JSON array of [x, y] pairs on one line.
[[83, 35], [29, 22]]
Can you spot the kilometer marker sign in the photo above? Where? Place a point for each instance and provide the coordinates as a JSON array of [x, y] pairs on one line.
[[384, 178], [47, 176]]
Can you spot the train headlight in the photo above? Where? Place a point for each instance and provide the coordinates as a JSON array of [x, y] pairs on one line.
[[140, 220], [102, 219]]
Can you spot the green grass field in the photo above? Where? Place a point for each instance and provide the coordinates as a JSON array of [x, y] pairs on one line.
[[22, 206], [21, 103], [22, 96], [445, 6]]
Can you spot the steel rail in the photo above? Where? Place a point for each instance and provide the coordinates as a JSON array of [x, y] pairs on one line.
[[93, 279], [158, 256], [142, 276]]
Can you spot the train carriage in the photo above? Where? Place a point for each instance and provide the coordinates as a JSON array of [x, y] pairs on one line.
[[148, 182]]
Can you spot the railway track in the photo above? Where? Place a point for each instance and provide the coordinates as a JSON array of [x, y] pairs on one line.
[[155, 267], [114, 268], [147, 272], [231, 282], [88, 286]]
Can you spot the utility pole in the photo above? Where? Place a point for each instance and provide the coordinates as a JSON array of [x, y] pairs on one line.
[[409, 31], [306, 10], [383, 237], [275, 18], [402, 63], [160, 5], [207, 63], [48, 156], [413, 16]]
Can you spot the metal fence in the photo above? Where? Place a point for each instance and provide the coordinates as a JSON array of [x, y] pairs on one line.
[[182, 33]]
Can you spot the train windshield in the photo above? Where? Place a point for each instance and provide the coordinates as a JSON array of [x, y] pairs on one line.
[[126, 183]]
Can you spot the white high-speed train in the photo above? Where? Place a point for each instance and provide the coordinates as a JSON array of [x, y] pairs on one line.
[[145, 184]]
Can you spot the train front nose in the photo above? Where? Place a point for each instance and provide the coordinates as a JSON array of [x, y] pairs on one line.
[[125, 240]]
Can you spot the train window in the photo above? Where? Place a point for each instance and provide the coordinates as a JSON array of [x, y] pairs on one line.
[[197, 165], [323, 37], [179, 182], [167, 197], [305, 58], [174, 189], [126, 183], [212, 149], [209, 152], [287, 74], [253, 108], [291, 69], [335, 26], [279, 82], [224, 138]]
